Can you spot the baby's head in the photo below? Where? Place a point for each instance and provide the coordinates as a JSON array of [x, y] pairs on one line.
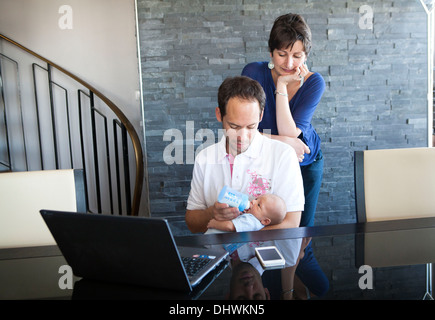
[[268, 208]]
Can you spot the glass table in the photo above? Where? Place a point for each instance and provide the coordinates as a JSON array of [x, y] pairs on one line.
[[376, 260]]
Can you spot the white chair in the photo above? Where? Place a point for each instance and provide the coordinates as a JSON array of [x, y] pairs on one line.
[[393, 184], [24, 194]]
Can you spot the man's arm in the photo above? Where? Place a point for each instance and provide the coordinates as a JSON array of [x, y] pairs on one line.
[[291, 220], [197, 220], [227, 225]]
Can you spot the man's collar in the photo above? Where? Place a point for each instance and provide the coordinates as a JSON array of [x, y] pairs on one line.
[[253, 150]]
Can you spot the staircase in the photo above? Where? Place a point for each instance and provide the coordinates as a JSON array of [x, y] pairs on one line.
[[52, 119]]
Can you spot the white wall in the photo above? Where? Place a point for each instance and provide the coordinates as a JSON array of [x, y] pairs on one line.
[[100, 48]]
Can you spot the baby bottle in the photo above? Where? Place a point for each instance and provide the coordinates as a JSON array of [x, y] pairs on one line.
[[234, 198]]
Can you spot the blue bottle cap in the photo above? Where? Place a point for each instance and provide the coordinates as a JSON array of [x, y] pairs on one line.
[[244, 204]]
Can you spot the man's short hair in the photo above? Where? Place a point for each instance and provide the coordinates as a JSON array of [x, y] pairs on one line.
[[241, 87]]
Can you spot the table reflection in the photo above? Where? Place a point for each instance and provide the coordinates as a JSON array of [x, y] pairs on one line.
[[301, 277], [322, 264]]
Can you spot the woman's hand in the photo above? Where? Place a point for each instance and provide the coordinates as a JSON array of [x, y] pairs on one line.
[[300, 148], [284, 80], [297, 144]]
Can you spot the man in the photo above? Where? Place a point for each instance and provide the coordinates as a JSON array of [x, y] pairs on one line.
[[246, 283], [244, 160]]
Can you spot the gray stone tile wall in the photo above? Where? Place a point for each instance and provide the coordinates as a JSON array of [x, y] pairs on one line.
[[375, 77]]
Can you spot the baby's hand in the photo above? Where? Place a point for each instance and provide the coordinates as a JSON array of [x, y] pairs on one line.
[[212, 224]]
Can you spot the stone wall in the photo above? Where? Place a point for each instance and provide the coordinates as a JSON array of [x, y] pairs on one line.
[[374, 68]]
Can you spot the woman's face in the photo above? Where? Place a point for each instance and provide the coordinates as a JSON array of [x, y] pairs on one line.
[[288, 60]]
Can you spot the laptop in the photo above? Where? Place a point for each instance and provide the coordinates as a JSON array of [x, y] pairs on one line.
[[128, 250]]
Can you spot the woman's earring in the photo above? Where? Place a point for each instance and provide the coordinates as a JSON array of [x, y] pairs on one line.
[[270, 65]]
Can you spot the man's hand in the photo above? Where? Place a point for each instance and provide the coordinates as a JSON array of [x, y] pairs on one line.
[[222, 212], [197, 220]]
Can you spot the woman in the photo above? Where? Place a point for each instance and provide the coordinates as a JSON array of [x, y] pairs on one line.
[[293, 93]]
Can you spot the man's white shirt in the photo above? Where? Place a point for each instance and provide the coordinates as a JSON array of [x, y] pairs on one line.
[[267, 166]]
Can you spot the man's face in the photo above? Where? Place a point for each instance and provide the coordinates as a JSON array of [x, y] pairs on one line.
[[246, 284], [240, 123]]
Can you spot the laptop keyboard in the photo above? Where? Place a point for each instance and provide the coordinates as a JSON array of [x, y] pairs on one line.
[[194, 265]]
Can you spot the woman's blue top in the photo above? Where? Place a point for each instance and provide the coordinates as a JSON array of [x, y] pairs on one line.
[[302, 105]]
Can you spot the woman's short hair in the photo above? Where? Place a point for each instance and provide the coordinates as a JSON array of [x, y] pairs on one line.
[[287, 29], [241, 87]]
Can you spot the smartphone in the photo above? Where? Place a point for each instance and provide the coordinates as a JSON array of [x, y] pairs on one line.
[[270, 257]]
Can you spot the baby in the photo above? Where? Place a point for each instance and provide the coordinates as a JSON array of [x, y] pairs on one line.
[[266, 209]]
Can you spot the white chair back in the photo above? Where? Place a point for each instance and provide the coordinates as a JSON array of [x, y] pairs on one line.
[[395, 184], [24, 194]]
